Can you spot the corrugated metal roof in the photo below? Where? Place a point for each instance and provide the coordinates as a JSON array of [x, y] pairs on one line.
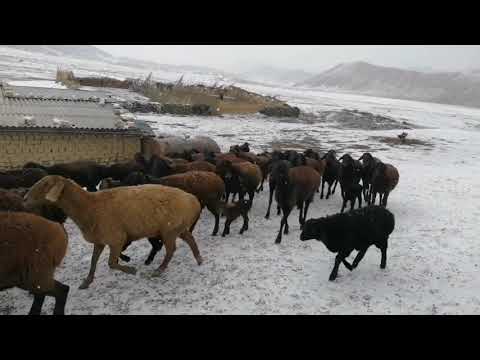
[[51, 93], [41, 110]]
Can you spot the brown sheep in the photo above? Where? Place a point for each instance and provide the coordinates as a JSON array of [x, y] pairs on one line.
[[240, 178], [118, 216], [264, 162], [206, 186], [294, 186], [31, 248], [384, 179]]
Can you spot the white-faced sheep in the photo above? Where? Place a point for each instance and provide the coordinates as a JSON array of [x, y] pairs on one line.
[[118, 216], [31, 248], [356, 230]]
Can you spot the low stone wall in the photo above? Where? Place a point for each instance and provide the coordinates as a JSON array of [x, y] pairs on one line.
[[176, 109], [18, 148], [281, 111]]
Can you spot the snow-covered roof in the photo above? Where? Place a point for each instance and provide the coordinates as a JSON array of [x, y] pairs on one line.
[[66, 110]]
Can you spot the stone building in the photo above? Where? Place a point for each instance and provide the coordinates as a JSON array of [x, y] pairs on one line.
[[50, 126]]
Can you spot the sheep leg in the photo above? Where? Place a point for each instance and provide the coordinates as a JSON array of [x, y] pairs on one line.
[[157, 245], [97, 251], [347, 265], [383, 262], [307, 205], [385, 198], [344, 203], [272, 189], [245, 223], [359, 200], [335, 186], [170, 248], [300, 214], [216, 213], [226, 229], [125, 257], [278, 210], [334, 273], [113, 261], [323, 184], [359, 258], [37, 304], [190, 240], [352, 204], [60, 293]]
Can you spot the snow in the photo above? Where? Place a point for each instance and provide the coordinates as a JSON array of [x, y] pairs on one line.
[[433, 255], [37, 83]]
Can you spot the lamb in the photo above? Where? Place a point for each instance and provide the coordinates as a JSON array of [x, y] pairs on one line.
[[31, 248], [294, 186], [331, 174], [358, 229], [85, 173], [384, 179], [117, 216], [241, 178], [234, 210], [369, 164]]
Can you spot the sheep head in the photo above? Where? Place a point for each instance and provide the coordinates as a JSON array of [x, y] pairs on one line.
[[49, 189], [225, 169], [313, 229]]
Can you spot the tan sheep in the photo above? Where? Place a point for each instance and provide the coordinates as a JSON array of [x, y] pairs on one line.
[[31, 248], [121, 215]]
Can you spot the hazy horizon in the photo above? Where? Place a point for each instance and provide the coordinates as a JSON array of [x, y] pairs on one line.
[[310, 58]]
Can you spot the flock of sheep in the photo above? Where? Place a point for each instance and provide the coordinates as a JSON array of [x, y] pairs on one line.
[[161, 199]]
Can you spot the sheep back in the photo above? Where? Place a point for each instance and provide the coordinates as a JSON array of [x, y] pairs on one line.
[[208, 187], [305, 179], [31, 247], [250, 174], [139, 212]]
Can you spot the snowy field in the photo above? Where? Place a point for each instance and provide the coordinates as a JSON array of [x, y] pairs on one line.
[[433, 256]]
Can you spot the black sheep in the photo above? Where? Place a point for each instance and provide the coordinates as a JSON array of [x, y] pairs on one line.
[[356, 230], [352, 192], [85, 173], [331, 173], [368, 166]]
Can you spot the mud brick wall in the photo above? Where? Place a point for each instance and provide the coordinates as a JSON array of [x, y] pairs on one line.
[[16, 149]]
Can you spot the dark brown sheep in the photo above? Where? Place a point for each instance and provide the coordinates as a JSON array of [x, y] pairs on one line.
[[240, 178], [331, 173], [121, 170], [384, 179], [294, 186], [31, 248], [368, 166]]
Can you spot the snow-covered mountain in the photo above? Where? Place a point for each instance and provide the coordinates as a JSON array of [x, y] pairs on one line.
[[87, 52], [363, 78], [274, 75]]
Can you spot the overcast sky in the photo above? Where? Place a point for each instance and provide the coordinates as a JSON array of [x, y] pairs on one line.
[[312, 58]]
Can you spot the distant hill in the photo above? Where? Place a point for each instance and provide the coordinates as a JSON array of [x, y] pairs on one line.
[[363, 78], [273, 75], [88, 52]]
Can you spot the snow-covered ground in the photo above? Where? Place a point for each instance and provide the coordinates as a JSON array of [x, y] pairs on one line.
[[433, 256]]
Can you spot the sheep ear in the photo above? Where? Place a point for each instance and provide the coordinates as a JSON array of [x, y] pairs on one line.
[[54, 194]]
